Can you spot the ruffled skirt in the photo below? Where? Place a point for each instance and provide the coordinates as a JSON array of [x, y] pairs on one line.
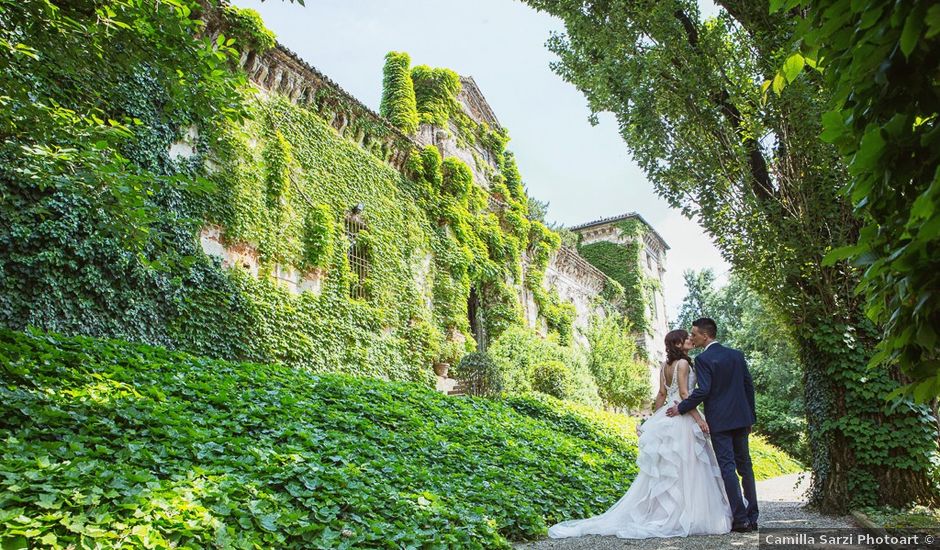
[[678, 491]]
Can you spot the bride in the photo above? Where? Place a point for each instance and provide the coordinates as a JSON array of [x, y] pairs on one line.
[[679, 490]]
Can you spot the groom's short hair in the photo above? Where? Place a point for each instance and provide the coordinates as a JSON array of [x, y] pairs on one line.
[[706, 325]]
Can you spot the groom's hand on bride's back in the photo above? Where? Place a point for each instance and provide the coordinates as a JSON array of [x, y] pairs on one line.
[[673, 410]]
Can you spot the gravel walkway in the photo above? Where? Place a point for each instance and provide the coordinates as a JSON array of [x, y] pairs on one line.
[[781, 505]]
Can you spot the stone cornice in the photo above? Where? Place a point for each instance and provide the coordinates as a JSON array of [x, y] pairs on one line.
[[622, 217], [281, 71]]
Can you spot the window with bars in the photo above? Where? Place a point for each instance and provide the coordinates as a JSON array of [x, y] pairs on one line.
[[358, 255]]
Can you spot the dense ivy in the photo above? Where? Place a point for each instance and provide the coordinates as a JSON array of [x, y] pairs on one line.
[[399, 105], [486, 245], [277, 181], [525, 362], [247, 28], [436, 90], [622, 262]]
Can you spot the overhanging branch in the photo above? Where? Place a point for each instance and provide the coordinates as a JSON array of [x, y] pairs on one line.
[[760, 175]]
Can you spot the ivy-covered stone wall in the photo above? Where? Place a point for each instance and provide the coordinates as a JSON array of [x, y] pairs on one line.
[[245, 253], [620, 248]]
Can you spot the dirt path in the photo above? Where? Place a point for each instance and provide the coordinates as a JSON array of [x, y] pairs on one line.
[[781, 505]]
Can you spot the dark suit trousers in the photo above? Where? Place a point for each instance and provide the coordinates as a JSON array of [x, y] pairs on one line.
[[733, 456]]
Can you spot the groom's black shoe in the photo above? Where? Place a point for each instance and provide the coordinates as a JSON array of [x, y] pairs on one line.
[[754, 526], [746, 528]]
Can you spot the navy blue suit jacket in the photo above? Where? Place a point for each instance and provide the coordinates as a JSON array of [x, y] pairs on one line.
[[725, 388]]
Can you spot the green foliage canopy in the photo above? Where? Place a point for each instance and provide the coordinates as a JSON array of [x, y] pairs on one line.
[[880, 61], [526, 362]]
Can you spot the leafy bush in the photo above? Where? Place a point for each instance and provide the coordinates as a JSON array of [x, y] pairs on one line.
[[117, 444], [515, 353], [782, 425], [583, 387], [553, 378], [622, 379], [521, 355]]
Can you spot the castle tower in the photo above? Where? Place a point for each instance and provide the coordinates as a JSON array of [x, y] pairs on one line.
[[631, 231]]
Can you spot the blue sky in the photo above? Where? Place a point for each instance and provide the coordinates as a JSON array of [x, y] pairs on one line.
[[584, 172]]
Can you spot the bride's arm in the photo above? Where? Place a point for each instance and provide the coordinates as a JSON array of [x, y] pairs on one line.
[[661, 396], [683, 369]]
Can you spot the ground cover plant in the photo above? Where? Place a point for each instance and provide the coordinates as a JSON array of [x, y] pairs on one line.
[[915, 517], [122, 445]]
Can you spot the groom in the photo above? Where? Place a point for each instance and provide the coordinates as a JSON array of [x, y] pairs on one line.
[[725, 386]]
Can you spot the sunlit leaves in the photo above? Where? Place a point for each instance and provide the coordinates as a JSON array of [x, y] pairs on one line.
[[883, 120], [793, 66], [185, 451], [724, 118]]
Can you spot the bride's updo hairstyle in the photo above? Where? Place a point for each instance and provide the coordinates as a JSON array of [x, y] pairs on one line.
[[674, 352]]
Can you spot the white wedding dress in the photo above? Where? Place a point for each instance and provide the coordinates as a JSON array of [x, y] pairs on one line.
[[678, 491]]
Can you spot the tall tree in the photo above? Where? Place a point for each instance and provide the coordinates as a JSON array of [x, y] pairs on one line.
[[750, 168], [699, 289]]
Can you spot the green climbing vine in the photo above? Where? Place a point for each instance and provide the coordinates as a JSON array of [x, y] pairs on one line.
[[436, 90], [398, 93], [271, 179], [559, 316], [247, 28], [475, 246], [622, 263], [499, 238]]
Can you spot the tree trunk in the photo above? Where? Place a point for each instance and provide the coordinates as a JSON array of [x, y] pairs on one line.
[[864, 453]]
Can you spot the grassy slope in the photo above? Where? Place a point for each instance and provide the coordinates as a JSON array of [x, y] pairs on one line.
[[139, 446]]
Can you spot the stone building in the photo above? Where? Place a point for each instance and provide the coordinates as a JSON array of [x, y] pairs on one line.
[[280, 71], [653, 263], [478, 158]]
